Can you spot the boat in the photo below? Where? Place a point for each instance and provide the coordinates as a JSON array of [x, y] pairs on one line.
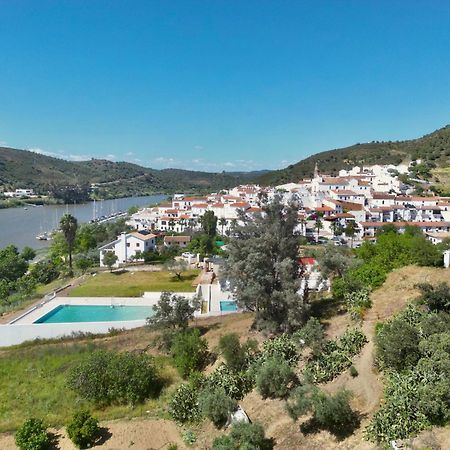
[[43, 236]]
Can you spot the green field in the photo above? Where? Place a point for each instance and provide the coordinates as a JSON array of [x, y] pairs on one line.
[[134, 284], [33, 384]]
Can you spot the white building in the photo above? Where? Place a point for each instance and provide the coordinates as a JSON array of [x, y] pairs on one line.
[[129, 245]]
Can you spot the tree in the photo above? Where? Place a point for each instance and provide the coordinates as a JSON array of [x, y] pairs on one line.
[[132, 210], [83, 263], [222, 223], [318, 225], [234, 353], [334, 261], [177, 267], [263, 269], [28, 254], [174, 311], [243, 436], [437, 298], [12, 264], [216, 405], [209, 223], [189, 352], [350, 230], [109, 259], [275, 378], [69, 225]]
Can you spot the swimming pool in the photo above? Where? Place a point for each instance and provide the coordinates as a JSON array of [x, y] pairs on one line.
[[228, 305], [95, 313]]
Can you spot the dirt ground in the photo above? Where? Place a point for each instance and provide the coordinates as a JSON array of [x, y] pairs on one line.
[[146, 434]]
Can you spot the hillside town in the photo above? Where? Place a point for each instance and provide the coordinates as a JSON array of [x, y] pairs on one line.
[[354, 204]]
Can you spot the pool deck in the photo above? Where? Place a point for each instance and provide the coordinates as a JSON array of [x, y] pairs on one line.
[[23, 328]]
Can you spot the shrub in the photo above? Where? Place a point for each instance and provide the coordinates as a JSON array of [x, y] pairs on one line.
[[216, 405], [357, 302], [312, 335], [332, 412], [274, 378], [437, 298], [83, 429], [189, 437], [122, 378], [183, 406], [397, 344], [353, 371], [335, 357], [282, 347], [32, 435], [189, 351], [237, 356], [235, 384], [243, 436], [45, 272]]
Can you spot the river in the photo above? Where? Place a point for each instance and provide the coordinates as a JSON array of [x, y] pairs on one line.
[[20, 226]]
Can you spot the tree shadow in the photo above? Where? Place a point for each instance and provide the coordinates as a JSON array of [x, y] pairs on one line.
[[54, 441], [203, 329], [327, 308], [104, 435], [340, 431], [119, 272]]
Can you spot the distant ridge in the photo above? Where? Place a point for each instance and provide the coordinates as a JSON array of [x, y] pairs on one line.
[[23, 168], [433, 148]]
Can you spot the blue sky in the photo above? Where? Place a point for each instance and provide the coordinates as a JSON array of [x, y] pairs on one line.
[[220, 85]]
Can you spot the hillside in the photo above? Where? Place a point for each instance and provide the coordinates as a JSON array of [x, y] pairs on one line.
[[22, 168], [433, 148]]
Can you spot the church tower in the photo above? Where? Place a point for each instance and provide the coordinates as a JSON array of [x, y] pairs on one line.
[[316, 171]]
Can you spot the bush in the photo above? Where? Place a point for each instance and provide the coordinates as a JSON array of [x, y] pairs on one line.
[[183, 406], [243, 436], [120, 378], [83, 429], [274, 378], [357, 302], [397, 344], [335, 357], [235, 384], [189, 351], [45, 272], [437, 298], [237, 356], [216, 405], [312, 335], [353, 371], [32, 435], [332, 412], [282, 347]]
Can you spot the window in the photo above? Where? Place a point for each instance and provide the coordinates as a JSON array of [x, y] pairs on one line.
[[138, 244], [128, 244]]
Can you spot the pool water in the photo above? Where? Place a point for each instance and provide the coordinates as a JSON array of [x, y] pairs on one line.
[[95, 313], [228, 305]]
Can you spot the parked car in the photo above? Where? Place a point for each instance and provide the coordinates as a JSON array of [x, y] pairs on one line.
[[188, 255]]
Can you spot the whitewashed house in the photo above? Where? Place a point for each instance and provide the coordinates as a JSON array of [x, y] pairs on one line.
[[128, 245]]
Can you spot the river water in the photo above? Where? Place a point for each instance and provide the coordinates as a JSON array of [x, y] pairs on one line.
[[20, 226]]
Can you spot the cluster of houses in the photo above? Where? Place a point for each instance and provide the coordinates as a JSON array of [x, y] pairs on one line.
[[367, 197]]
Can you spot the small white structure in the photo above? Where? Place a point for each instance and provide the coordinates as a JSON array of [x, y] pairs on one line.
[[447, 259], [18, 193], [128, 245]]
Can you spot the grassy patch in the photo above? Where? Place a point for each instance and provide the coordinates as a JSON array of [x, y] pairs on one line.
[[129, 284], [33, 383]]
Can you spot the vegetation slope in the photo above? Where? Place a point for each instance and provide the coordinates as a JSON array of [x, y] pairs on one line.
[[433, 148]]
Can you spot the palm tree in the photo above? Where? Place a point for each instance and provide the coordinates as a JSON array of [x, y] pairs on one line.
[[222, 223], [302, 222], [69, 225], [318, 226], [350, 230]]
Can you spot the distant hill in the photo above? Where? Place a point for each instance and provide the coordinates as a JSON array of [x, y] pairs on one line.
[[22, 168], [433, 149]]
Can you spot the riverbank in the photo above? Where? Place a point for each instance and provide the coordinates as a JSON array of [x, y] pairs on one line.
[[25, 202]]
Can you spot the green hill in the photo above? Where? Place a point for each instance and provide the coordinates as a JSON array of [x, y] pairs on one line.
[[433, 149], [22, 168]]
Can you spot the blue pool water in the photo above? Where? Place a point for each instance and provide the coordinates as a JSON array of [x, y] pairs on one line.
[[228, 305], [95, 313]]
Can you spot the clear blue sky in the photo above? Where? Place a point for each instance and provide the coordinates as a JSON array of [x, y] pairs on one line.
[[220, 85]]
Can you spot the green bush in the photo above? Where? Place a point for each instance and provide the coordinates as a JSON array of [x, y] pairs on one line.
[[335, 357], [275, 378], [236, 355], [437, 298], [183, 406], [115, 378], [83, 429], [353, 371], [243, 436], [235, 384], [282, 347], [312, 335], [357, 302], [397, 344], [189, 351], [32, 435], [332, 412], [216, 405]]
